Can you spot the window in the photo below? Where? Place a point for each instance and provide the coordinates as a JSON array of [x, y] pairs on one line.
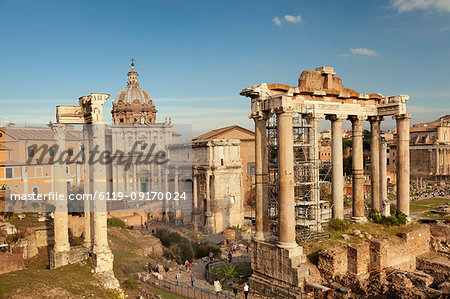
[[30, 152], [8, 173], [70, 152]]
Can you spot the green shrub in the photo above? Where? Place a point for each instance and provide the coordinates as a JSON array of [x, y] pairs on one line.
[[375, 216], [130, 283], [339, 224], [203, 249], [115, 222], [168, 238]]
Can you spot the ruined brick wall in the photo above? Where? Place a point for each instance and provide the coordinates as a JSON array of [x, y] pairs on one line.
[[333, 262], [358, 259], [361, 260], [11, 262]]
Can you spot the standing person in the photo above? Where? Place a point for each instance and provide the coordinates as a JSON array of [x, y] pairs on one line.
[[166, 269], [178, 277], [157, 267], [217, 286], [211, 256], [149, 266], [246, 290], [192, 280], [246, 247], [186, 265], [189, 266], [230, 257]]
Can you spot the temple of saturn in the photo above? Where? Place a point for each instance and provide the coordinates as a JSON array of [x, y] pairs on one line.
[[280, 268], [90, 114]]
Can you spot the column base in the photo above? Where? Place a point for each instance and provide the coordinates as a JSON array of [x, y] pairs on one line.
[[359, 219], [258, 237], [108, 280], [287, 245], [102, 261], [58, 258]]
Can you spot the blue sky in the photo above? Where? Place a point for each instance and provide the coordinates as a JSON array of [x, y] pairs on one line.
[[194, 57]]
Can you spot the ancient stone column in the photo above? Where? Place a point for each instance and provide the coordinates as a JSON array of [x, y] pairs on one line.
[[61, 247], [403, 163], [87, 189], [166, 189], [438, 172], [385, 203], [357, 169], [262, 216], [195, 199], [337, 166], [444, 160], [313, 158], [101, 253], [286, 200], [208, 214], [176, 203], [375, 161]]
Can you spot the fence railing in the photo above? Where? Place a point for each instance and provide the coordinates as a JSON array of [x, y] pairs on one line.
[[210, 277], [183, 290]]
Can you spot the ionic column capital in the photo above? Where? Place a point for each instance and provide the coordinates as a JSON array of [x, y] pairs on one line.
[[59, 130], [336, 117], [400, 117], [375, 119], [356, 118]]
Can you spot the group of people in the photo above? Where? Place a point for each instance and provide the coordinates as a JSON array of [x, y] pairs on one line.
[[192, 278]]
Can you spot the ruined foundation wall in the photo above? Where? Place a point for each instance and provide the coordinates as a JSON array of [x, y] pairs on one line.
[[374, 256], [11, 262], [278, 271]]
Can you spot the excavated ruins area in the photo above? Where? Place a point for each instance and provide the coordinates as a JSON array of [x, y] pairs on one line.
[[397, 262]]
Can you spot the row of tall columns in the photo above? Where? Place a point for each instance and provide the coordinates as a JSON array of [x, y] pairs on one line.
[[261, 177], [444, 161], [378, 167]]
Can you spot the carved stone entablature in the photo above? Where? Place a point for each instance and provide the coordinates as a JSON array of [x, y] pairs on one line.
[[320, 91]]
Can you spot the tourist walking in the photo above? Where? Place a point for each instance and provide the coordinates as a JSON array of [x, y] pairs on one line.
[[166, 269], [246, 290], [178, 277], [192, 280], [217, 286]]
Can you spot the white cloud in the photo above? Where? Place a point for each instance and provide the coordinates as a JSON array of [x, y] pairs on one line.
[[276, 21], [363, 51], [293, 19], [431, 5]]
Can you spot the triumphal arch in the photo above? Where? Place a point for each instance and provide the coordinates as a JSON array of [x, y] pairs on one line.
[[279, 268]]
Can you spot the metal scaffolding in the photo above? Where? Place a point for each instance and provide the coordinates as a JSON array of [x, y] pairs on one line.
[[312, 213]]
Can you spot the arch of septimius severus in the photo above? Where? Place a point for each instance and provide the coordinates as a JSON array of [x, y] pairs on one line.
[[319, 94]]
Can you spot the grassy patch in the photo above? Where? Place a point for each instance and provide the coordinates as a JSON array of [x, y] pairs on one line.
[[38, 281]]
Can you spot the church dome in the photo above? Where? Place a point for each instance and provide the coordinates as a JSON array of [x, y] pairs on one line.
[[133, 91]]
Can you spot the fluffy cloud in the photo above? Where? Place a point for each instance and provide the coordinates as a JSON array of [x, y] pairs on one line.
[[276, 21], [363, 51], [293, 19], [410, 5]]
